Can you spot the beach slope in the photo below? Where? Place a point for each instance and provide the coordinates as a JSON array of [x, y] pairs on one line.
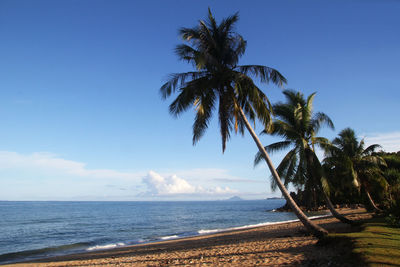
[[279, 244]]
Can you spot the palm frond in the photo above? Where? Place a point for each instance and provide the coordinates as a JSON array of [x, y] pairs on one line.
[[189, 94], [310, 100], [240, 47], [186, 52], [285, 169], [211, 20], [320, 119], [225, 119], [266, 74], [278, 146], [372, 148], [294, 98], [320, 141], [227, 24], [177, 80], [204, 108], [251, 99], [373, 161], [189, 34]]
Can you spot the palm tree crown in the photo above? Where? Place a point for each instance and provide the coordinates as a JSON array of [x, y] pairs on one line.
[[215, 49], [298, 126], [350, 160]]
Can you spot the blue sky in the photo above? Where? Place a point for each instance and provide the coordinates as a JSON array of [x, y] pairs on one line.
[[82, 118]]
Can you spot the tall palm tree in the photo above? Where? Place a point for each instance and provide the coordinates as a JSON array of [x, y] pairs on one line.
[[298, 125], [351, 159], [214, 50]]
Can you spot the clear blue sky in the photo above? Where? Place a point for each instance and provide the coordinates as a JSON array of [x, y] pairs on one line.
[[82, 118]]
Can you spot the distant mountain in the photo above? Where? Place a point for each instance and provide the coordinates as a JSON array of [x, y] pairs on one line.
[[235, 198]]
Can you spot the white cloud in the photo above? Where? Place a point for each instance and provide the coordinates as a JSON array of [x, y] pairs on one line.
[[390, 142], [42, 175], [173, 185], [50, 163], [158, 185]]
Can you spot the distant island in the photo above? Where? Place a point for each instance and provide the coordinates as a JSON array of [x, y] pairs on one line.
[[275, 198], [235, 198]]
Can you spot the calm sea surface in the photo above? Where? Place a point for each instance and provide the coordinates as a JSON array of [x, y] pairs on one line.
[[30, 230]]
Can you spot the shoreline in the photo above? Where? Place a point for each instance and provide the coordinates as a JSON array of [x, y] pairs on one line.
[[233, 247], [31, 257], [200, 233]]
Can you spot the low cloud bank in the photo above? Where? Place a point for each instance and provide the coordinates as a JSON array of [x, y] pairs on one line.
[[390, 142], [50, 163], [159, 185]]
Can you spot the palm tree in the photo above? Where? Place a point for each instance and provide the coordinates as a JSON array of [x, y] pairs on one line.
[[297, 124], [214, 50], [351, 159]]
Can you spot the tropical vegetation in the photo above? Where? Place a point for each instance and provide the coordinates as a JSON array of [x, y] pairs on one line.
[[391, 201], [214, 50], [298, 125], [349, 173], [348, 159]]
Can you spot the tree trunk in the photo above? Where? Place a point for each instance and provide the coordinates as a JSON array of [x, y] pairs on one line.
[[317, 173], [316, 230], [370, 200], [335, 214], [313, 176]]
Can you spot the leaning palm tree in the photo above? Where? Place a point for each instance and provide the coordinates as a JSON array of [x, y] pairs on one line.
[[214, 50], [351, 159], [298, 125]]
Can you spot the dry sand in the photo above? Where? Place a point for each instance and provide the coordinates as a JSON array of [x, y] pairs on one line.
[[280, 244]]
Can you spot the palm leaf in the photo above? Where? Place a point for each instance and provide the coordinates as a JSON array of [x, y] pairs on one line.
[[320, 119], [372, 148], [204, 108], [265, 74], [177, 80], [225, 119], [278, 146], [286, 164]]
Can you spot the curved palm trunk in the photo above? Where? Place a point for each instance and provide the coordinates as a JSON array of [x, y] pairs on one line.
[[317, 175], [336, 214], [316, 230], [370, 200]]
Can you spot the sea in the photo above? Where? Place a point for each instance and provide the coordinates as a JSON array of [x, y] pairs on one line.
[[33, 230]]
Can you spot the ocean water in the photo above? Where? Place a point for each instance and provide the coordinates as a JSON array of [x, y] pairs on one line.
[[31, 230]]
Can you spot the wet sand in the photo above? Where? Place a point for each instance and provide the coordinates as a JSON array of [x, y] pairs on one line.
[[279, 244]]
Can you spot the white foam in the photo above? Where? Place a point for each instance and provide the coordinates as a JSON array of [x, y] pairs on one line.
[[212, 231], [204, 232], [108, 246], [169, 237]]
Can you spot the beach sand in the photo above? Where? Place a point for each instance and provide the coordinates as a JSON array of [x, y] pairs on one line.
[[279, 244]]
